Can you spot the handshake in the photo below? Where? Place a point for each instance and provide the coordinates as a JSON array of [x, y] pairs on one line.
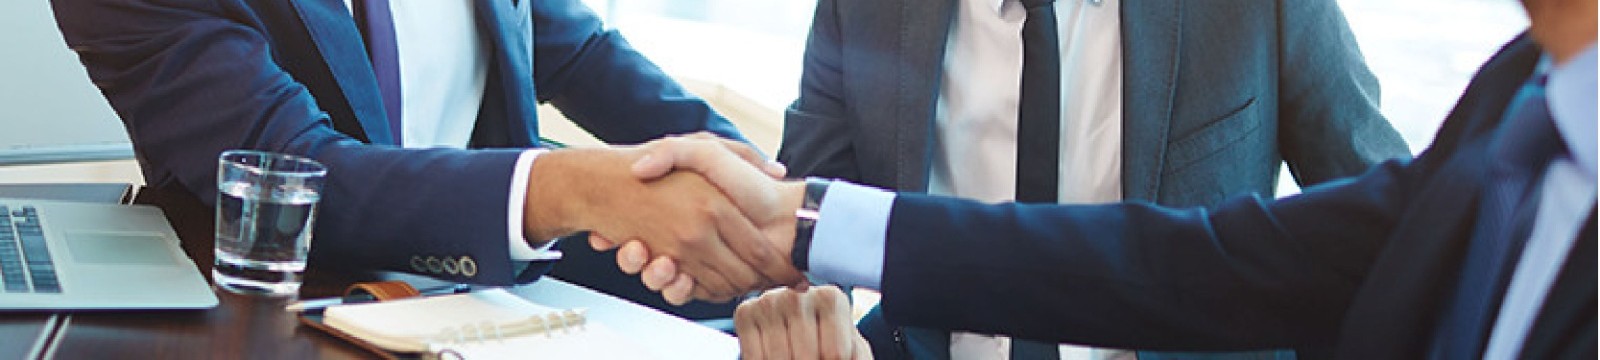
[[700, 216]]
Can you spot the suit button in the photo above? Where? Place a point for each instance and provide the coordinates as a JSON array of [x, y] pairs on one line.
[[417, 265], [469, 267], [434, 266], [450, 266]]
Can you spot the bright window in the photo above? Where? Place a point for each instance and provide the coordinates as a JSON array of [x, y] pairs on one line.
[[1424, 51], [751, 46]]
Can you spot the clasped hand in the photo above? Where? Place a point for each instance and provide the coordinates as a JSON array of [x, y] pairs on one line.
[[710, 211]]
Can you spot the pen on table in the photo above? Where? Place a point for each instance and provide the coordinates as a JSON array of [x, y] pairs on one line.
[[322, 303]]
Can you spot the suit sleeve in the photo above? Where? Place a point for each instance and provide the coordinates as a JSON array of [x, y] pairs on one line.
[[600, 82], [1329, 99], [1250, 274], [818, 129], [190, 81]]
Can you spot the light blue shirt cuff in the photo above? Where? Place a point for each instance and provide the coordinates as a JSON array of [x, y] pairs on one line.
[[848, 243]]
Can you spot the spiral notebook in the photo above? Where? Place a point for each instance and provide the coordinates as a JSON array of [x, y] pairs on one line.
[[490, 324]]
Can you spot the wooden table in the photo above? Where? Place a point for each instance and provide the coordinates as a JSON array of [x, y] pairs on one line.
[[252, 327], [25, 334]]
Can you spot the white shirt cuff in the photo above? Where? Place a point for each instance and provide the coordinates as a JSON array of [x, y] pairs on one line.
[[848, 243], [520, 250]]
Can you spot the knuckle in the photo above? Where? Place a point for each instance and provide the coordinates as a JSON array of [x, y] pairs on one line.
[[828, 292], [745, 310]]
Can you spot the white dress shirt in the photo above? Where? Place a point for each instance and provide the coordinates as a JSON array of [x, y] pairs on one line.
[[444, 67], [975, 146]]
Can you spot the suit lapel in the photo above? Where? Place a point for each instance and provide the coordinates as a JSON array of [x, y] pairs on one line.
[[1150, 50], [506, 26], [1565, 325], [339, 42], [921, 54]]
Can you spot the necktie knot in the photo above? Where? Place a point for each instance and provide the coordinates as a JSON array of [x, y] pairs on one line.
[[1529, 138]]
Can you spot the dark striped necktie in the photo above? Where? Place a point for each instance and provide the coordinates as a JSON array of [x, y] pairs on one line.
[[1523, 146]]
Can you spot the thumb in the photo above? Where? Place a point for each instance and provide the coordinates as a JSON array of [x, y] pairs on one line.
[[651, 166], [600, 243]]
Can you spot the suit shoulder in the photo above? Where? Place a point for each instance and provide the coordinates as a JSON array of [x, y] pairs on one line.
[[1482, 105]]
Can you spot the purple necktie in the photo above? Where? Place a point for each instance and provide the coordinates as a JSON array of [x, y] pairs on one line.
[[377, 26]]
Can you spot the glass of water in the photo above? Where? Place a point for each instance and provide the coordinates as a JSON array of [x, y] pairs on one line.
[[266, 203]]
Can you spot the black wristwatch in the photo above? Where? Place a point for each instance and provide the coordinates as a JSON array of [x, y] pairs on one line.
[[805, 222]]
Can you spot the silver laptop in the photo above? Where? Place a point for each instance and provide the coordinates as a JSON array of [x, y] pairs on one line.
[[70, 256]]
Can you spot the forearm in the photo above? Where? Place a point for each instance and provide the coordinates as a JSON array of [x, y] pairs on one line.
[[556, 193], [1248, 274]]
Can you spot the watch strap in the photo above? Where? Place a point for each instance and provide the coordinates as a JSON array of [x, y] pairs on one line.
[[806, 222]]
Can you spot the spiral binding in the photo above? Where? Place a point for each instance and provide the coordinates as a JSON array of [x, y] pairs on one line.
[[564, 322]]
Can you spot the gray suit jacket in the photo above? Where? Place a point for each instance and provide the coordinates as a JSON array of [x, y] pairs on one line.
[[1217, 93]]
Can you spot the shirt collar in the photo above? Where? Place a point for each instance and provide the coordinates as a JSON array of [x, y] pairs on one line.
[[997, 4], [1571, 93]]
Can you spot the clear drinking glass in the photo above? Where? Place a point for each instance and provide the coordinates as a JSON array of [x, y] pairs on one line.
[[266, 204]]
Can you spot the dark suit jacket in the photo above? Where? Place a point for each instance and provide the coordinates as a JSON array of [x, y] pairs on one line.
[[192, 78], [1216, 95], [1364, 265]]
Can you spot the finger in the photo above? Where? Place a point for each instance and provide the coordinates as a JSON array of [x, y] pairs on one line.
[[749, 188], [861, 350], [653, 165], [747, 153], [631, 257], [801, 285], [775, 169], [714, 255], [661, 157], [801, 322], [835, 331], [744, 324], [701, 293], [659, 273], [679, 291], [755, 256], [711, 284], [600, 243], [728, 171], [774, 334]]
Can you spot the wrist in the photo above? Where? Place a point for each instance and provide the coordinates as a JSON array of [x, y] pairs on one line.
[[806, 215], [782, 232], [547, 214]]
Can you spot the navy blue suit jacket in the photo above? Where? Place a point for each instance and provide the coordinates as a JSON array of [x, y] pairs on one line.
[[1361, 265], [193, 78]]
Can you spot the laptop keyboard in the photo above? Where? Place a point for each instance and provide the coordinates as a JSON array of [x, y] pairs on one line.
[[25, 264]]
